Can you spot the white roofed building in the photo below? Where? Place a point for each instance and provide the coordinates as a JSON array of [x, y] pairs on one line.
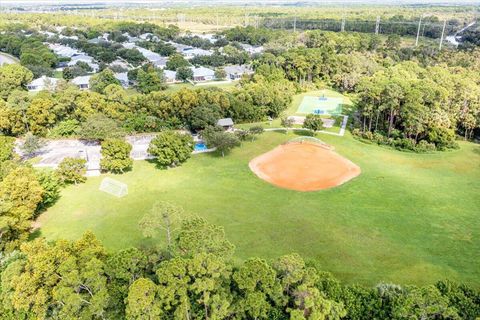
[[193, 52], [235, 72], [84, 58], [63, 51], [43, 83], [123, 78], [251, 49], [170, 76], [201, 74], [82, 82]]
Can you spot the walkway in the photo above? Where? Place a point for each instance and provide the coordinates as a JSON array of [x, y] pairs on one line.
[[341, 133], [7, 59], [55, 151]]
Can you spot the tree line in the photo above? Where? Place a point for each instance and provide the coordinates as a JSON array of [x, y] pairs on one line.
[[193, 277], [62, 112], [415, 99]]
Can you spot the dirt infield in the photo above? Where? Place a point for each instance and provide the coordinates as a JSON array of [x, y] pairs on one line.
[[304, 166]]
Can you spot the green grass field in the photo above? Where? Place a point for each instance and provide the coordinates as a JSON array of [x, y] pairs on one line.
[[408, 218]]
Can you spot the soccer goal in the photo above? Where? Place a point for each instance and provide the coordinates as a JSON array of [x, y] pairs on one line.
[[114, 187], [312, 140]]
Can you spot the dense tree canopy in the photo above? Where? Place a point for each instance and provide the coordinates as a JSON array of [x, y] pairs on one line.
[[171, 148]]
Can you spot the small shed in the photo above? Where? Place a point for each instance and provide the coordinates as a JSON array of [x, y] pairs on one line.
[[226, 123]]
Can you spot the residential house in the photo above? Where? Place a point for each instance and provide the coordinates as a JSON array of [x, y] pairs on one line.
[[82, 82], [84, 58], [63, 51], [153, 57], [201, 74], [123, 78], [170, 76], [235, 72], [98, 40], [149, 37], [208, 36], [43, 83], [180, 48], [193, 52], [129, 45], [120, 64], [188, 51], [251, 49]]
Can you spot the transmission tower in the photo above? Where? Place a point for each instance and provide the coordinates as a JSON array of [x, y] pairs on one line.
[[377, 25], [343, 24], [443, 34], [418, 31]]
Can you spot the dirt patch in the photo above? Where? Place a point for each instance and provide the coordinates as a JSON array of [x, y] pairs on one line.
[[304, 166]]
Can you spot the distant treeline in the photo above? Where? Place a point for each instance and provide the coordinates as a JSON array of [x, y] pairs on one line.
[[430, 27]]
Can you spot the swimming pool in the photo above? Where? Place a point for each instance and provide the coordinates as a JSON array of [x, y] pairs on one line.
[[200, 146]]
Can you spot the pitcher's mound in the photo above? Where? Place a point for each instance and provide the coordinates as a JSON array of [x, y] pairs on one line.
[[304, 166]]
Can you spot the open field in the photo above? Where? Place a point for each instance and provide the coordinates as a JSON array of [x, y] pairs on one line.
[[408, 218]]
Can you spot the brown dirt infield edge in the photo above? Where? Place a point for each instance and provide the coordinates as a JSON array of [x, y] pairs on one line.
[[304, 166]]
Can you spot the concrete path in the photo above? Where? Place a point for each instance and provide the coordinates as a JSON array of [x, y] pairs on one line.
[[7, 59], [55, 151]]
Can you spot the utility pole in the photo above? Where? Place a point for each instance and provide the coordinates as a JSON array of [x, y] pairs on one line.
[[295, 24], [418, 31], [343, 24], [443, 34], [377, 25], [246, 18]]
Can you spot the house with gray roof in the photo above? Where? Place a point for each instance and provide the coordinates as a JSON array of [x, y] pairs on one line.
[[236, 72], [84, 58], [225, 123], [194, 52], [201, 74], [123, 78], [170, 76], [43, 83], [82, 82]]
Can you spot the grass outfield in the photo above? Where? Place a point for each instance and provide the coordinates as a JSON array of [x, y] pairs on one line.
[[408, 218]]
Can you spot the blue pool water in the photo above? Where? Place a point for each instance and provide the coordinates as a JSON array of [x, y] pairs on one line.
[[200, 146]]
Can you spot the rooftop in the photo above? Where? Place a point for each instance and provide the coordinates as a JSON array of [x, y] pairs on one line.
[[226, 122]]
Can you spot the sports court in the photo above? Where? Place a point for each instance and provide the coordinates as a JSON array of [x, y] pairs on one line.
[[304, 164], [320, 105]]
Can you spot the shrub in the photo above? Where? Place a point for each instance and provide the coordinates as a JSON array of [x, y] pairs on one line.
[[116, 156], [6, 148], [223, 141], [171, 148], [31, 145], [65, 128], [425, 146], [405, 143], [51, 187], [72, 170], [313, 122], [100, 127]]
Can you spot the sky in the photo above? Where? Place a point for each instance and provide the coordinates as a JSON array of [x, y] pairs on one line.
[[235, 2]]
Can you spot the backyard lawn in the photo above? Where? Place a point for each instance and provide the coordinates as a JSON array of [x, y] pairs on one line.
[[408, 218]]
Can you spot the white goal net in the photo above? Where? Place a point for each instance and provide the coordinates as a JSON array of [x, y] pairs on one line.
[[114, 187]]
